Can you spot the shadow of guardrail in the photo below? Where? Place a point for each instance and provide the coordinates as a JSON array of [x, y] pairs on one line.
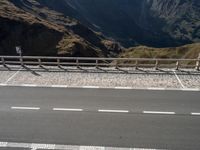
[[35, 70]]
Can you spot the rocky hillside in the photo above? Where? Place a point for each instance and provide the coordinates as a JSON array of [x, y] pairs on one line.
[[90, 27], [181, 18], [158, 23], [42, 31]]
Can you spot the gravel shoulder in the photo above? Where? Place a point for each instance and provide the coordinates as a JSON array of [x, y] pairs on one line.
[[104, 77]]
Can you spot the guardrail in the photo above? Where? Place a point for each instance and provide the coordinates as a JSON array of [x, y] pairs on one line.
[[99, 62]]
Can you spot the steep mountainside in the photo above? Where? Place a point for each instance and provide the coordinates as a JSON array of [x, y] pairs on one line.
[[158, 23], [42, 31], [83, 27], [181, 18]]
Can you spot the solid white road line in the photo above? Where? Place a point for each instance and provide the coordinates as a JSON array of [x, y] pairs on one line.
[[179, 80], [26, 108], [191, 89], [29, 85], [18, 145], [98, 87], [59, 86], [113, 111], [35, 146], [195, 114], [9, 79], [43, 146], [2, 84], [67, 109], [3, 144], [124, 88], [159, 112], [153, 88], [90, 87]]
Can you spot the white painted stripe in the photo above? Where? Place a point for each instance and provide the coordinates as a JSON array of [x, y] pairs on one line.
[[123, 88], [159, 112], [113, 111], [91, 148], [90, 87], [195, 114], [179, 80], [18, 145], [3, 144], [9, 79], [98, 87], [42, 146], [26, 108], [59, 86], [2, 84], [35, 146], [67, 109], [153, 88], [192, 89], [29, 85]]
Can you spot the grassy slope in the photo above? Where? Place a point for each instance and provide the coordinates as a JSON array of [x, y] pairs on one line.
[[186, 51]]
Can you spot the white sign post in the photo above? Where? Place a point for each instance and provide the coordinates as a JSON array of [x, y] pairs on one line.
[[19, 51]]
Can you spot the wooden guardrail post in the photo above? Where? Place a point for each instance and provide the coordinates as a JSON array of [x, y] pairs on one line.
[[58, 62], [39, 62], [21, 60], [116, 65], [3, 61], [136, 64], [156, 65], [77, 63], [198, 63], [177, 65], [97, 64]]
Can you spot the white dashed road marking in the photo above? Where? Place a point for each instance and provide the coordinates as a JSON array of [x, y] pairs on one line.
[[67, 109], [195, 114], [159, 112], [26, 108], [113, 111], [179, 80], [104, 111]]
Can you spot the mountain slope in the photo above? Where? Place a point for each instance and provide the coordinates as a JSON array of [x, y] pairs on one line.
[[157, 23], [42, 31], [89, 27]]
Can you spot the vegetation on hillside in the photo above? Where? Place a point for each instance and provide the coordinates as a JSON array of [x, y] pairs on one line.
[[43, 31], [186, 51]]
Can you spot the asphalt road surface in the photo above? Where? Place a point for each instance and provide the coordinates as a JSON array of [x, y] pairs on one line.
[[101, 117]]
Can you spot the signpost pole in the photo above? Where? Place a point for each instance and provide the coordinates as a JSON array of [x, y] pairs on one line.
[[19, 51]]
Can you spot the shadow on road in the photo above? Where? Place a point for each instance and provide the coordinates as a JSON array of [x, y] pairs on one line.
[[148, 71]]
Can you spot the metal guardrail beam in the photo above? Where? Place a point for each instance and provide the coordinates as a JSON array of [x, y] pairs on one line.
[[96, 58], [87, 61]]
